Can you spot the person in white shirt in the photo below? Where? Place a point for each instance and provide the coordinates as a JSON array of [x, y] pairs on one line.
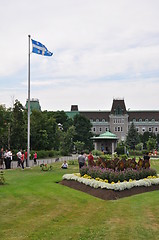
[[19, 155], [64, 165], [9, 157]]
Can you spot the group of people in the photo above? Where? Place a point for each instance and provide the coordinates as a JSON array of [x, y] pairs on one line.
[[82, 159], [7, 156], [22, 157]]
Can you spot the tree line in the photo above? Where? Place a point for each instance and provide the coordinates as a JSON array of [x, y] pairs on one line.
[[147, 141], [48, 130]]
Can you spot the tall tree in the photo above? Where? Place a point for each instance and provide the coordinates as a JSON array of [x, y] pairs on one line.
[[5, 126], [83, 131], [18, 128], [43, 131], [67, 141], [132, 137]]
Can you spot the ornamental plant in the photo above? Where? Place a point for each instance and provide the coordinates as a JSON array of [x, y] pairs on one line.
[[2, 179], [45, 167], [115, 176]]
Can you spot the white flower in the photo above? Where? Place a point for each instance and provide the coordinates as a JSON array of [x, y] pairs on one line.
[[120, 186]]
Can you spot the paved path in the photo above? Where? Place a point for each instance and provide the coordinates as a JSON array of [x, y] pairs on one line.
[[45, 161]]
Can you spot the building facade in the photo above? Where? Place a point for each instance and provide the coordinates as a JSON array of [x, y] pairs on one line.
[[119, 119]]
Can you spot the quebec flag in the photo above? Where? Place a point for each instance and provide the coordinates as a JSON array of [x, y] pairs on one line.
[[39, 48]]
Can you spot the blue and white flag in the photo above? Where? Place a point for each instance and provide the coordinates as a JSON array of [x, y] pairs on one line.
[[39, 48]]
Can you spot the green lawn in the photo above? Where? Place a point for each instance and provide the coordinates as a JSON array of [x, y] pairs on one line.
[[33, 206]]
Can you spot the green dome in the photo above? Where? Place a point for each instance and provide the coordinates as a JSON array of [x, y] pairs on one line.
[[106, 135]]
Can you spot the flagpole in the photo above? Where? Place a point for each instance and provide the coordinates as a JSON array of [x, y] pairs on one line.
[[28, 146]]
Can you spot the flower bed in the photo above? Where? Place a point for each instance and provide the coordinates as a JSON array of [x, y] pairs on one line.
[[119, 186], [115, 176]]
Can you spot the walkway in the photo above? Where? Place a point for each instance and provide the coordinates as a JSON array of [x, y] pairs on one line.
[[46, 161]]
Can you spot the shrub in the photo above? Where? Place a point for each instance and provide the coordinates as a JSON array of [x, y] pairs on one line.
[[45, 167], [45, 154], [97, 153], [2, 179]]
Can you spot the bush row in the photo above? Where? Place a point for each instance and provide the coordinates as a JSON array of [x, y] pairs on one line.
[[40, 154]]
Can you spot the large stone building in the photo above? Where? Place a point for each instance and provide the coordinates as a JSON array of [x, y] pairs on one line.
[[119, 119]]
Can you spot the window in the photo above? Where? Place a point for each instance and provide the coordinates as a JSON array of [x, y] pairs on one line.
[[150, 129], [140, 120], [143, 129], [115, 129], [97, 120], [106, 129], [137, 129], [121, 129], [118, 129], [134, 120], [146, 120], [94, 129], [103, 120], [153, 120], [156, 130], [118, 111], [100, 129]]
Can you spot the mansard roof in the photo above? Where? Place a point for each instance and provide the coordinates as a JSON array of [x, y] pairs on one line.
[[143, 115], [118, 107], [96, 115]]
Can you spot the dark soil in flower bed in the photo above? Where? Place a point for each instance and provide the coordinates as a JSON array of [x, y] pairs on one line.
[[107, 194]]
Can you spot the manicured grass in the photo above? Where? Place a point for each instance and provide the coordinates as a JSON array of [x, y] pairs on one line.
[[33, 206]]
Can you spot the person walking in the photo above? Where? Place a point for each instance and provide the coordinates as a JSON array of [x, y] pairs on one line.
[[81, 160], [22, 160], [9, 159], [6, 158], [35, 158], [19, 154], [90, 160]]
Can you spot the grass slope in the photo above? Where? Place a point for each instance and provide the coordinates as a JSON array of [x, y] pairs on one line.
[[33, 206]]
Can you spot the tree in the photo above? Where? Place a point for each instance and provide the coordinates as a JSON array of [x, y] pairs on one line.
[[18, 127], [67, 141], [43, 131], [83, 131], [79, 146], [151, 144], [5, 122], [145, 137], [132, 137]]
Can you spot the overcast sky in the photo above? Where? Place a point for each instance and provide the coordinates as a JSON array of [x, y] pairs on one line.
[[103, 49]]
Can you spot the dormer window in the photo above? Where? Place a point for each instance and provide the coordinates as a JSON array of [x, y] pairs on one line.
[[97, 120], [140, 120], [103, 120], [118, 111]]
